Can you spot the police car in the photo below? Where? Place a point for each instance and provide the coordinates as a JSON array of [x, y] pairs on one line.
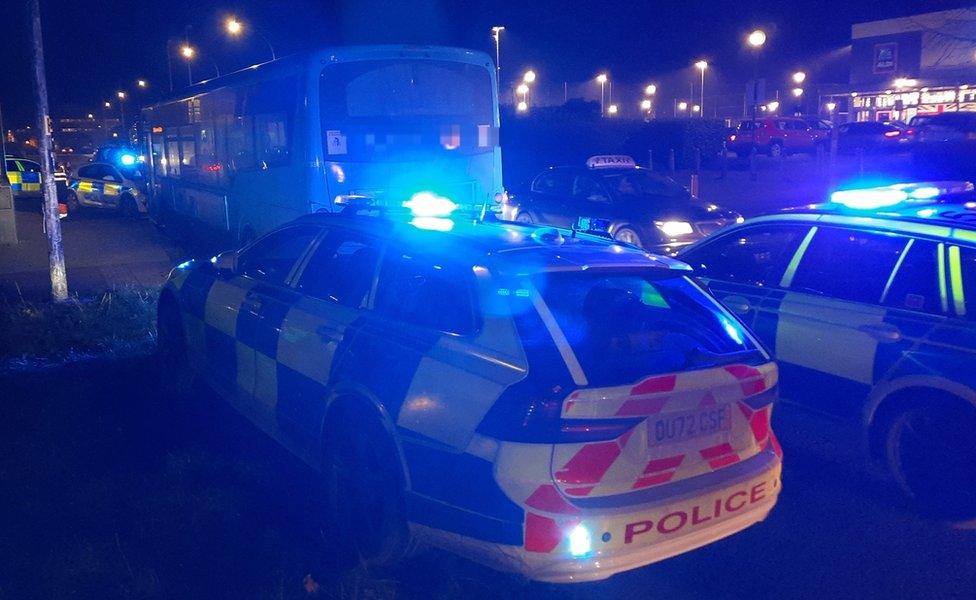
[[109, 186], [539, 400], [24, 177], [868, 304], [643, 208]]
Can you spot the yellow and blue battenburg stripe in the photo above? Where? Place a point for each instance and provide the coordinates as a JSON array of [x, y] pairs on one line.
[[93, 186], [24, 181]]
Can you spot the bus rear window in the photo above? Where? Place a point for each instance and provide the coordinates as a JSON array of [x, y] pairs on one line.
[[623, 327], [391, 108]]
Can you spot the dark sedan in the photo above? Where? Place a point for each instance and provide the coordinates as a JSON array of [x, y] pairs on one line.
[[643, 208]]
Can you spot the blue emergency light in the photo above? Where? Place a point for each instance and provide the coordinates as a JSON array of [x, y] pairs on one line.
[[429, 204], [888, 196], [127, 160]]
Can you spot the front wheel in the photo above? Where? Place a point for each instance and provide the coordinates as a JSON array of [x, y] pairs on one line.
[[628, 236], [776, 150], [128, 206], [71, 199], [931, 452]]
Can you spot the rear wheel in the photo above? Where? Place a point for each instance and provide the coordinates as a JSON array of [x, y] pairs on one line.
[[364, 487], [128, 206], [71, 199], [776, 150], [628, 236], [930, 448]]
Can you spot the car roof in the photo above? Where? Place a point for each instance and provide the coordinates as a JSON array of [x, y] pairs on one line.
[[510, 248], [942, 220]]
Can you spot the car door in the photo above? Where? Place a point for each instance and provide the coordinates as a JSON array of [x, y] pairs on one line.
[[255, 304], [112, 183], [829, 321], [589, 198], [740, 268], [334, 289], [550, 193], [89, 189], [13, 175]]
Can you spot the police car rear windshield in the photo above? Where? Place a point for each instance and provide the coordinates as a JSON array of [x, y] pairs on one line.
[[624, 326]]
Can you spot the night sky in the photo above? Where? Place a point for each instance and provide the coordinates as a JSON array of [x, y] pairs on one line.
[[94, 48]]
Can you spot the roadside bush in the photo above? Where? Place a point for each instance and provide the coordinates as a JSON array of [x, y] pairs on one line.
[[119, 322]]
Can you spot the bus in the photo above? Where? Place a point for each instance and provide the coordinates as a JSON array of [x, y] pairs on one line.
[[246, 152]]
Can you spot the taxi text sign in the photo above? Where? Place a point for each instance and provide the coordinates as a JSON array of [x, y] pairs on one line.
[[610, 161]]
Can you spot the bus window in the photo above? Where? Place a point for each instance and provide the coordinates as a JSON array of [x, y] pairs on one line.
[[188, 147], [272, 139], [172, 156], [240, 143], [391, 108]]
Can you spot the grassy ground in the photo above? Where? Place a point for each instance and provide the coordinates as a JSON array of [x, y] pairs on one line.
[[115, 323]]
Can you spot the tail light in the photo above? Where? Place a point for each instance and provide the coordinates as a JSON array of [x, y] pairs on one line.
[[892, 134], [538, 420], [909, 132], [732, 138]]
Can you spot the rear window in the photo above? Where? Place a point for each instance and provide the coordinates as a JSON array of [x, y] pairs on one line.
[[625, 326]]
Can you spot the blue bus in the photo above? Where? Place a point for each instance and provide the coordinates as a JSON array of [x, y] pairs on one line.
[[249, 151]]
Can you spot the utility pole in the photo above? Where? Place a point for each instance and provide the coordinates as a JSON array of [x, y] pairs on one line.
[[52, 222]]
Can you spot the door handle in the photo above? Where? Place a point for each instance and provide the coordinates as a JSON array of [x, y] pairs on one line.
[[883, 332], [737, 304]]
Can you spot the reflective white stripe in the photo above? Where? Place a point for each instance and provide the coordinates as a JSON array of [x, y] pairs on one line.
[[901, 259], [562, 344]]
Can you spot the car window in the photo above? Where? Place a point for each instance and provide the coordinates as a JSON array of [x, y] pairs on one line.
[[88, 172], [625, 326], [642, 182], [272, 257], [342, 268], [752, 256], [848, 264], [30, 166], [587, 188], [914, 284], [12, 166], [553, 182], [962, 276], [781, 125], [426, 292]]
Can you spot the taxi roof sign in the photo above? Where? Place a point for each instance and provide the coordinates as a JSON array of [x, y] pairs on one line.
[[610, 161]]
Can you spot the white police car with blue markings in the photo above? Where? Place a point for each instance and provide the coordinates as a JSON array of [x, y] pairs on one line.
[[868, 304], [540, 400]]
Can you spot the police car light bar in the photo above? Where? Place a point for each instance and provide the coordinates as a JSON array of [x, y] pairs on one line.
[[429, 204], [901, 193], [610, 161]]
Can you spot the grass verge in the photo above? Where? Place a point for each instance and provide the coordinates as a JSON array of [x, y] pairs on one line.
[[115, 323]]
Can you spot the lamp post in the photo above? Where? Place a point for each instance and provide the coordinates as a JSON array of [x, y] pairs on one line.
[[602, 80], [496, 34], [755, 40], [648, 103], [187, 52], [523, 91], [121, 96], [235, 28], [702, 65]]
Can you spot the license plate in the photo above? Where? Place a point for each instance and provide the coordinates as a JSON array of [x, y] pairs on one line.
[[677, 427]]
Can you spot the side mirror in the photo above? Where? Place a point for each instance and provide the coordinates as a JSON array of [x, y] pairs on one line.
[[225, 263]]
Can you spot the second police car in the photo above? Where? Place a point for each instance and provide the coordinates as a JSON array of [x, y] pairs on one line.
[[643, 208], [868, 303], [119, 185], [540, 400]]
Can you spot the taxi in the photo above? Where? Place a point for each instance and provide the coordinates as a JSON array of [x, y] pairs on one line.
[[868, 304], [121, 188], [540, 400], [24, 177], [643, 208]]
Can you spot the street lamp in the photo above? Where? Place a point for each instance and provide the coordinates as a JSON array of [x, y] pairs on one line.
[[496, 33], [522, 106], [142, 83], [187, 51], [645, 105], [682, 106], [529, 76], [236, 28], [799, 77], [650, 90], [701, 66], [772, 106], [757, 38], [602, 80], [797, 92], [830, 108], [108, 104], [612, 109]]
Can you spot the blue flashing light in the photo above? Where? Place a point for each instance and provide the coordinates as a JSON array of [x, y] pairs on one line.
[[869, 199], [429, 204], [432, 223], [580, 542], [127, 160], [924, 193]]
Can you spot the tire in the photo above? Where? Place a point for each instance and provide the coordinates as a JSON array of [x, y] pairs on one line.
[[525, 218], [71, 199], [178, 377], [930, 450], [628, 236], [776, 150], [128, 206], [364, 487]]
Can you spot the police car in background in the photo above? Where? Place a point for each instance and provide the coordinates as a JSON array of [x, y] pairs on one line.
[[24, 177], [643, 208], [117, 186], [540, 400], [869, 306]]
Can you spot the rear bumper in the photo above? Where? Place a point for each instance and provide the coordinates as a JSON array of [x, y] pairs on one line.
[[626, 537]]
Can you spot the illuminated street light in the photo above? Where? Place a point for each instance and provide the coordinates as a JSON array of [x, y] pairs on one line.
[[797, 92], [757, 38], [701, 66], [120, 94], [903, 82], [522, 106], [522, 89], [108, 104], [602, 80], [233, 26], [142, 83], [799, 77], [682, 105], [695, 108], [91, 116], [645, 104], [830, 107], [496, 34], [612, 109], [650, 90], [187, 51], [772, 106], [529, 76]]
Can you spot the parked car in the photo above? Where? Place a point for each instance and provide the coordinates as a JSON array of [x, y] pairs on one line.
[[871, 137], [868, 304], [642, 208], [945, 146], [776, 136], [543, 401]]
